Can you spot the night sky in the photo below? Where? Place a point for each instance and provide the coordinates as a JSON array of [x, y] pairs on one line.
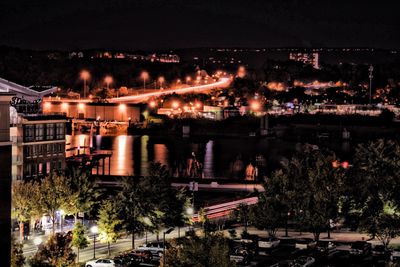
[[160, 24]]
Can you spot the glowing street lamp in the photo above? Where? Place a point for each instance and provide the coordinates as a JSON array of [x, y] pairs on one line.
[[188, 79], [85, 75], [145, 76], [152, 104], [108, 80], [161, 80], [175, 104], [62, 214], [94, 230], [255, 106]]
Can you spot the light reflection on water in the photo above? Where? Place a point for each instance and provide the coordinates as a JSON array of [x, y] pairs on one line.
[[218, 157]]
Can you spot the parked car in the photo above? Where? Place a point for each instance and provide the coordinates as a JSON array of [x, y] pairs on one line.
[[267, 243], [395, 255], [240, 256], [304, 261], [104, 263], [325, 247], [248, 245], [156, 248], [305, 243], [144, 255], [360, 248], [381, 251]]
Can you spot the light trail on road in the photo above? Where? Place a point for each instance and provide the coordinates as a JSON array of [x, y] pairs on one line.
[[223, 82]]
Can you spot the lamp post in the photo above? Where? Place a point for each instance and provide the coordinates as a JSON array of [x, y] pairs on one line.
[[371, 69], [161, 81], [85, 75], [164, 234], [108, 80], [144, 75], [286, 225], [94, 230], [190, 212], [62, 213]]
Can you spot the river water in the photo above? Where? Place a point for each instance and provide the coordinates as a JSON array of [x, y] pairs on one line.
[[217, 157]]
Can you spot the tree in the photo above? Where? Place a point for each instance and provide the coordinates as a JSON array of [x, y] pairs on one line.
[[309, 185], [17, 255], [375, 175], [24, 197], [388, 227], [210, 250], [54, 194], [79, 239], [85, 192], [57, 251], [134, 206], [242, 215], [319, 187], [153, 199], [109, 224]]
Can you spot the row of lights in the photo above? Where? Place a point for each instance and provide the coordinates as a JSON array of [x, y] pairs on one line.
[[108, 80]]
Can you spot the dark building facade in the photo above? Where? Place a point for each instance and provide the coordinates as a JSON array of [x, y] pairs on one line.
[[5, 180], [43, 144]]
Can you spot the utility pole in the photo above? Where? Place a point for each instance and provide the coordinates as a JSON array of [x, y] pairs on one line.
[[371, 69]]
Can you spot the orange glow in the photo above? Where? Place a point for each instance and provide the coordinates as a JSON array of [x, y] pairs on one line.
[[64, 105], [108, 80], [188, 79], [81, 106], [122, 107], [175, 104], [144, 75], [47, 105], [85, 75], [255, 106], [198, 105], [161, 79], [152, 104]]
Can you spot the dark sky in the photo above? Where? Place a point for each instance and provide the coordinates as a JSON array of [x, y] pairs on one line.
[[151, 24]]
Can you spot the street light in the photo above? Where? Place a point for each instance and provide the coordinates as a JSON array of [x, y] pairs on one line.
[[166, 233], [161, 80], [85, 75], [62, 213], [94, 230], [144, 75], [188, 79], [108, 80]]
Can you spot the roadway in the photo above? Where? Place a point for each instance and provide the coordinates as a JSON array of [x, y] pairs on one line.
[[223, 82]]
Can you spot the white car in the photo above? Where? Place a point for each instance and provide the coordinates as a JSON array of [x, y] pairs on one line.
[[270, 242], [103, 263], [156, 248], [395, 255]]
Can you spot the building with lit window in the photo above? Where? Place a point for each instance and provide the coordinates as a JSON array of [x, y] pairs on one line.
[[307, 58], [38, 145]]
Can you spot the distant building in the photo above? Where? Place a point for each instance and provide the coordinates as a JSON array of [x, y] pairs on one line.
[[38, 145], [92, 111], [306, 58]]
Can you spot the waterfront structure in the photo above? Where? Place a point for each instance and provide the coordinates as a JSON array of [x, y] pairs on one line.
[[92, 111], [307, 58]]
